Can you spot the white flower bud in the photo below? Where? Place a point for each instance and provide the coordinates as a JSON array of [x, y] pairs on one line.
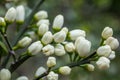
[[59, 37], [24, 42], [48, 50], [103, 63], [65, 70], [59, 50], [43, 28], [112, 55], [41, 15], [35, 48], [47, 38], [82, 46], [10, 15], [107, 32], [20, 16], [69, 47], [2, 22], [52, 76], [112, 42], [40, 71], [104, 50], [65, 29], [43, 21], [51, 62], [74, 34], [22, 78], [5, 74], [90, 67], [58, 22]]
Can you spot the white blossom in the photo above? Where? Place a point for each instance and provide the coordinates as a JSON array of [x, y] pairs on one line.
[[10, 16], [82, 46], [90, 67], [107, 32], [41, 15], [69, 47], [40, 71], [47, 38], [20, 14], [59, 50], [48, 50], [59, 36], [58, 22], [35, 48], [24, 42], [52, 76], [104, 50], [112, 55], [112, 42], [74, 34], [103, 63], [51, 62], [43, 21], [65, 70], [5, 74], [43, 28]]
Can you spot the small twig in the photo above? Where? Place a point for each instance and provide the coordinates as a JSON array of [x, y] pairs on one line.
[[28, 20], [11, 51], [71, 65], [15, 65]]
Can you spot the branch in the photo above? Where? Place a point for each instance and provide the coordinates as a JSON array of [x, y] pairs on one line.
[[14, 66], [11, 51], [71, 65], [28, 20]]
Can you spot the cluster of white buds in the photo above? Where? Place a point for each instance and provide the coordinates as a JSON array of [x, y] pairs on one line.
[[106, 51], [18, 14]]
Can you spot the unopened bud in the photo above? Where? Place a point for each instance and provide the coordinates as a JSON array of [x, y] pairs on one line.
[[107, 32], [112, 42], [65, 70], [35, 48], [59, 37], [48, 50], [58, 22], [112, 55], [43, 21], [40, 71], [43, 28], [5, 74], [59, 50], [52, 76], [51, 62], [20, 14], [41, 15], [104, 50], [47, 38], [24, 42], [10, 15], [69, 47], [74, 34], [103, 63]]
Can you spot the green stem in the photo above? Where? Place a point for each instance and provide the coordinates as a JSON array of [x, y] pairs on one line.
[[28, 20]]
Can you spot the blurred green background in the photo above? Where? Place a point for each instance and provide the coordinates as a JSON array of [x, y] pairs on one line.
[[89, 15]]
